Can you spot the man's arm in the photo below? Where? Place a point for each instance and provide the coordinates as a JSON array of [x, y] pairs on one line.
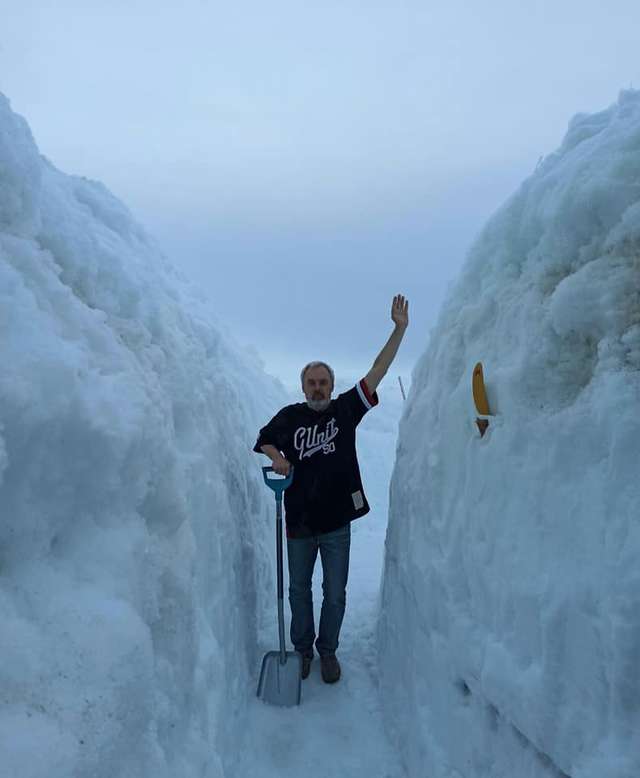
[[271, 451], [400, 317], [280, 464]]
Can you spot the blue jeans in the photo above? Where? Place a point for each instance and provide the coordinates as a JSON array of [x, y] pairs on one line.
[[302, 554]]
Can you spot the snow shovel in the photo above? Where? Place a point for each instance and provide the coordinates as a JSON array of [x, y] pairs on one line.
[[281, 675]]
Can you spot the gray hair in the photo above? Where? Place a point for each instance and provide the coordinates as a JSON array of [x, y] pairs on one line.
[[317, 364]]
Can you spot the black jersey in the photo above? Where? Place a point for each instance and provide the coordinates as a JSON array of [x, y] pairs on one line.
[[326, 492]]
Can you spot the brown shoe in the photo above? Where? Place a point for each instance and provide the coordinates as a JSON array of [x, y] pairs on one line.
[[330, 668]]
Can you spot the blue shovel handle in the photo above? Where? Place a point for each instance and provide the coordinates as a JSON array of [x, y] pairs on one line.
[[277, 484]]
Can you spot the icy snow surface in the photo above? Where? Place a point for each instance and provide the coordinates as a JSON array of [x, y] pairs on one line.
[[510, 625], [135, 543]]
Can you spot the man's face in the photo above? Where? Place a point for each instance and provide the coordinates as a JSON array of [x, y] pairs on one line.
[[317, 385]]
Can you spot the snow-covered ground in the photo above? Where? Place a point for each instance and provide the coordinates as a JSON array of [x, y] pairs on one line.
[[513, 561]]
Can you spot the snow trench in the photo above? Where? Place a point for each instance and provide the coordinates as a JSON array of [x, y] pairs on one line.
[[136, 553]]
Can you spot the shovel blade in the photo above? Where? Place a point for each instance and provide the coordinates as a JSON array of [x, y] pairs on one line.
[[281, 683]]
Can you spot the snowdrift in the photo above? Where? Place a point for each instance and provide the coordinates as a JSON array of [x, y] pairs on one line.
[[135, 536], [510, 626]]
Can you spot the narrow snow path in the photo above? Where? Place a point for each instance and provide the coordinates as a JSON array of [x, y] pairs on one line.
[[337, 730]]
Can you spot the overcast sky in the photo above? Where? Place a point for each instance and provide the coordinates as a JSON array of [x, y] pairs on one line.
[[303, 162]]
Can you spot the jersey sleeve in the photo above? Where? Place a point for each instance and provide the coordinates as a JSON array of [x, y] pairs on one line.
[[358, 400], [275, 433]]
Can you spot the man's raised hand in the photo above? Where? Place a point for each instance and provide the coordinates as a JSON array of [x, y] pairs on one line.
[[400, 311]]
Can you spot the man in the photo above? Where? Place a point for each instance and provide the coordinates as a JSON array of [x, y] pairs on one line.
[[319, 438]]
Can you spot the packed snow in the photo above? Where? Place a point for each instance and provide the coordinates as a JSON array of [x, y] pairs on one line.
[[135, 552], [137, 591], [510, 627]]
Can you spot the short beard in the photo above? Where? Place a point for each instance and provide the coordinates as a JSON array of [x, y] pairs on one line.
[[318, 405]]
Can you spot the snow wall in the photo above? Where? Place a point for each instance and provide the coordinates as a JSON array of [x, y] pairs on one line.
[[510, 624], [135, 533]]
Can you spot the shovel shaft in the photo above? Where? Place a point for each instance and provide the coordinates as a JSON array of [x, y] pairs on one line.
[[281, 674], [283, 655]]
